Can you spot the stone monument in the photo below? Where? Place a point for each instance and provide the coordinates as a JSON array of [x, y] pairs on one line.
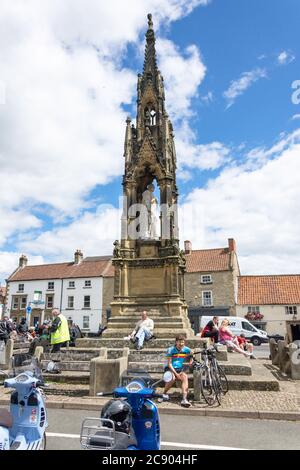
[[149, 266]]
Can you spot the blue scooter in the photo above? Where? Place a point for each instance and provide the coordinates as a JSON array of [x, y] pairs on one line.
[[23, 427], [130, 421]]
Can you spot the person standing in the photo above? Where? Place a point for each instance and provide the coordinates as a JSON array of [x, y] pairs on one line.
[[59, 331], [5, 329]]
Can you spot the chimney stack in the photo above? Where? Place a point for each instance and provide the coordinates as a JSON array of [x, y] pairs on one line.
[[187, 247], [78, 257], [231, 245], [23, 260]]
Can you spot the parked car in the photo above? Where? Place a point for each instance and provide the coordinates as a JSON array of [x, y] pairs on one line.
[[277, 337]]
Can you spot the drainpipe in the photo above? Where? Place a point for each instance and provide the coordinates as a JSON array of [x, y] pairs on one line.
[[61, 294]]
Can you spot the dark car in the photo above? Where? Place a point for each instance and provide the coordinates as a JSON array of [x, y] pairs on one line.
[[277, 337]]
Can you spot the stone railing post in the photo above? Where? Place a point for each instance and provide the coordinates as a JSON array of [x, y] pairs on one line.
[[274, 352], [105, 373], [294, 353]]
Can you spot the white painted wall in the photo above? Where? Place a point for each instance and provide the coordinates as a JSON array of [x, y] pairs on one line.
[[274, 315], [61, 293], [79, 292]]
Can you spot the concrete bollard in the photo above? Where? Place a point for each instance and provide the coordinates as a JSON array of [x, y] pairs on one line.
[[274, 352], [284, 358], [105, 373], [9, 352], [197, 385], [38, 352], [294, 353]]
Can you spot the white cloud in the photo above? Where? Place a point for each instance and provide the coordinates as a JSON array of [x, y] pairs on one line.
[[295, 117], [62, 122], [191, 155], [238, 87], [181, 87], [258, 206], [9, 261], [285, 57]]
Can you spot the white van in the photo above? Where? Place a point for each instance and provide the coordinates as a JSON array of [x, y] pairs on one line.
[[240, 325]]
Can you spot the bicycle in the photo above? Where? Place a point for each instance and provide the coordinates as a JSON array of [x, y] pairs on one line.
[[213, 380]]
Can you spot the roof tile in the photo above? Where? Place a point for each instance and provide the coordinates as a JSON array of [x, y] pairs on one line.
[[269, 290]]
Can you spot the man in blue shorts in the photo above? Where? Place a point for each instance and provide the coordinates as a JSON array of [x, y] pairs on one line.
[[177, 356]]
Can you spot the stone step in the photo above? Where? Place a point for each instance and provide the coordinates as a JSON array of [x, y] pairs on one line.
[[82, 366], [73, 354], [69, 390], [159, 333], [21, 344], [70, 377], [129, 326], [236, 369], [125, 319], [119, 343]]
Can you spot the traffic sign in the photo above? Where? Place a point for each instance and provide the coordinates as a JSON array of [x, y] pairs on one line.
[[28, 309]]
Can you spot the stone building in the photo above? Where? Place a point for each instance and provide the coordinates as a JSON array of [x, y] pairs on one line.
[[211, 281], [271, 299], [80, 289]]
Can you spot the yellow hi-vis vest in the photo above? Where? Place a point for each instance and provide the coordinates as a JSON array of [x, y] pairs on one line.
[[62, 333]]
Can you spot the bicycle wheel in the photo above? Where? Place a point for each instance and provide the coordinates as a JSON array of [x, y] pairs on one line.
[[223, 380], [208, 390], [216, 385]]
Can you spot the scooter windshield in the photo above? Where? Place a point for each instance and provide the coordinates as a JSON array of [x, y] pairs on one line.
[[129, 376], [25, 363]]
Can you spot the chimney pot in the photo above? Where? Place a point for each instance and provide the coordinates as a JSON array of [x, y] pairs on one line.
[[23, 260], [78, 257], [187, 247], [232, 245]]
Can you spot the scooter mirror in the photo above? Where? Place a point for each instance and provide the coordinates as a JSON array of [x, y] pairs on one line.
[[168, 376]]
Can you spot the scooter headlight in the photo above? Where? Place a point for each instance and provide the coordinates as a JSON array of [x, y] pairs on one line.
[[134, 387], [21, 378]]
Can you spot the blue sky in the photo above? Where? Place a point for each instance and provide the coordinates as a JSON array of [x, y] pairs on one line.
[[69, 80]]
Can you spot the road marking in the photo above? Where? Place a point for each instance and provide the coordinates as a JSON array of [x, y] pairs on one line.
[[182, 445]]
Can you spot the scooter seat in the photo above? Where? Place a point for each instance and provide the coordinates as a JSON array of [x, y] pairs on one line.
[[6, 418]]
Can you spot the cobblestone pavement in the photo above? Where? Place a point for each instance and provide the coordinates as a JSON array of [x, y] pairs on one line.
[[287, 400]]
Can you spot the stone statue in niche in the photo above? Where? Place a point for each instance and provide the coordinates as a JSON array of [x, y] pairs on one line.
[[151, 223]]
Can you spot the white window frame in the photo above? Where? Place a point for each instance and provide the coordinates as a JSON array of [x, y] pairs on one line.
[[86, 321], [51, 283], [22, 304], [71, 302], [87, 283], [208, 281], [15, 301], [21, 288], [253, 309], [204, 299], [71, 284], [47, 301], [291, 310]]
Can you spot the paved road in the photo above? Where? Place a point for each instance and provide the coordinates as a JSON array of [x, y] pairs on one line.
[[187, 432], [262, 351]]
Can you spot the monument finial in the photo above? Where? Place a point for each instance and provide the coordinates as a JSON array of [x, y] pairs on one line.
[[150, 22]]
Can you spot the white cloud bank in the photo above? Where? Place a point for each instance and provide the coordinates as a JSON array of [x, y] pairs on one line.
[[62, 88], [258, 204]]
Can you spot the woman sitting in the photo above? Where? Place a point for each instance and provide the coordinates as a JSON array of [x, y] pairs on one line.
[[229, 339]]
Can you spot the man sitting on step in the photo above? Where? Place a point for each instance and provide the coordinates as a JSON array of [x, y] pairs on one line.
[[143, 331]]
